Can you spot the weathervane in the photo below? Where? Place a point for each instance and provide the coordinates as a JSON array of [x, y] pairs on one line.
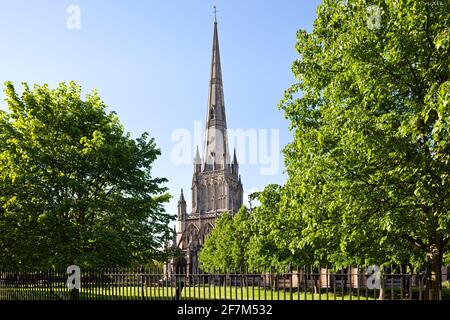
[[215, 14]]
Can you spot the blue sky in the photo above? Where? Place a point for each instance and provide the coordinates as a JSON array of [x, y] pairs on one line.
[[150, 62]]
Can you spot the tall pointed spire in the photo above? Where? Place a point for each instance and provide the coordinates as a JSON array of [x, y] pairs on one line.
[[197, 162], [181, 197], [181, 207], [234, 157], [216, 142], [197, 159], [234, 164]]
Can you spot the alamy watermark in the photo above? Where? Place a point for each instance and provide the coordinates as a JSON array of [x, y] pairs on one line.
[[74, 279], [253, 146], [374, 17], [374, 279], [73, 21]]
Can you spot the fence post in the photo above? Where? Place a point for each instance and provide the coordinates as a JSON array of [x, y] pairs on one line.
[[179, 286], [291, 295], [141, 270], [74, 294]]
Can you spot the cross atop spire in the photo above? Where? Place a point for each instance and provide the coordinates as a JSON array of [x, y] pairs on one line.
[[215, 14]]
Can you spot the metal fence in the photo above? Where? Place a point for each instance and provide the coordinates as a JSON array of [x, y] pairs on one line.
[[352, 283]]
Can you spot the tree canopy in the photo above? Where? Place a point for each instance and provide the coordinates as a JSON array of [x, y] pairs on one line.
[[226, 247], [368, 168], [369, 165], [74, 187]]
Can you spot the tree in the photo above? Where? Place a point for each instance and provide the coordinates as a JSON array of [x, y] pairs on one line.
[[272, 229], [369, 165], [226, 247], [241, 236], [74, 188], [215, 254]]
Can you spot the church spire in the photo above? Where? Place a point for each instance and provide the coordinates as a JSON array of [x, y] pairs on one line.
[[234, 157], [216, 142], [181, 200], [235, 165], [197, 158], [181, 207], [197, 161]]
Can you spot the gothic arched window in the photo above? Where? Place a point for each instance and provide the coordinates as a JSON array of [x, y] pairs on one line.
[[192, 234]]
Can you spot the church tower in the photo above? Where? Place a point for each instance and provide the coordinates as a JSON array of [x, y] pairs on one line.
[[216, 183]]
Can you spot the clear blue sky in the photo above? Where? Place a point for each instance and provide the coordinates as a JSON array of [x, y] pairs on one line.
[[150, 62]]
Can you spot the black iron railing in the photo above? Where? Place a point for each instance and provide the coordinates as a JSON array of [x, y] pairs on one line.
[[300, 283]]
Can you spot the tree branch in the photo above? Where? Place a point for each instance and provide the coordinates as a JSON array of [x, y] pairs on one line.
[[417, 242], [446, 243]]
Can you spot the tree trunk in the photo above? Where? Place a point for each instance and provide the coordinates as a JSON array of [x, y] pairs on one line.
[[434, 276]]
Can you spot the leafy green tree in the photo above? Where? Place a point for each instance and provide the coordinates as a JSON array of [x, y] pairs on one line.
[[241, 236], [272, 229], [267, 245], [215, 253], [74, 187], [369, 165], [226, 247]]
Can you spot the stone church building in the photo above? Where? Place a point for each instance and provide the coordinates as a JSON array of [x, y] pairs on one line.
[[216, 183]]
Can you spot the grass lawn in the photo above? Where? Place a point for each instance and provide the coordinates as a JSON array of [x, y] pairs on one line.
[[199, 292], [167, 293]]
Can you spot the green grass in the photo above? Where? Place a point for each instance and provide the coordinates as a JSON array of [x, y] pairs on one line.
[[167, 293], [256, 293], [201, 292]]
